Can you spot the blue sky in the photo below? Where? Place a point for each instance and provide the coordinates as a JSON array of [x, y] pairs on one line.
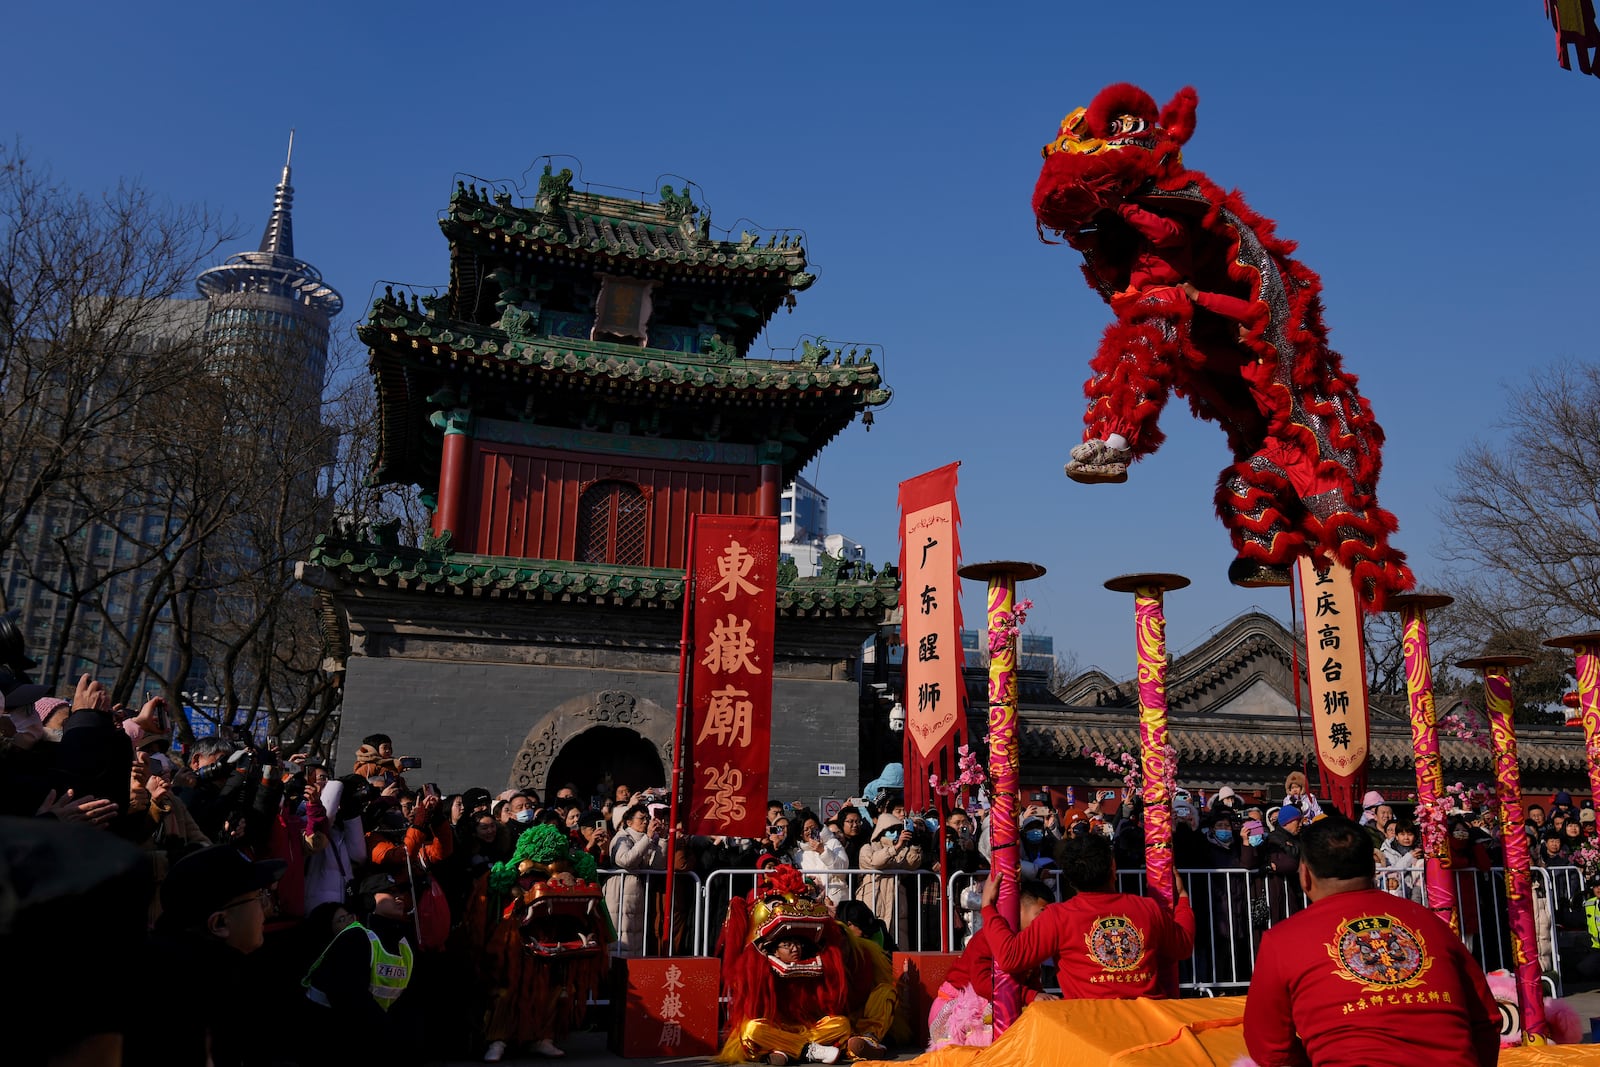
[[1434, 164]]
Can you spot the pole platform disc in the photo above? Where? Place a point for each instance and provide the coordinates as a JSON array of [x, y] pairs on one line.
[[1132, 583], [1592, 638], [1002, 568], [1481, 663]]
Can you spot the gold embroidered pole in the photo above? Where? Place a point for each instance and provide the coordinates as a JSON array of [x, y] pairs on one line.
[[1150, 633], [1002, 578], [1498, 705]]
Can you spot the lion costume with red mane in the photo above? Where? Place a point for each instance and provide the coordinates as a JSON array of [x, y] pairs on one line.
[[834, 995], [1210, 305]]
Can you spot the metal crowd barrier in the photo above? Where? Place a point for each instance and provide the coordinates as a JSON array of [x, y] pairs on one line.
[[913, 920], [1233, 907], [642, 909]]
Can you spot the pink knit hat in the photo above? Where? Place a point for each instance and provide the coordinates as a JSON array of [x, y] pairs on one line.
[[45, 707]]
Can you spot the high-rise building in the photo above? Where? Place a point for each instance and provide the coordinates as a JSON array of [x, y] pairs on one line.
[[803, 530], [262, 312], [269, 302]]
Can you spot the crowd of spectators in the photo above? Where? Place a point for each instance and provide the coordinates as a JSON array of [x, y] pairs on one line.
[[279, 881]]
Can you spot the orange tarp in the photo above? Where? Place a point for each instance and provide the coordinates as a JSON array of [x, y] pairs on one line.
[[1203, 1032]]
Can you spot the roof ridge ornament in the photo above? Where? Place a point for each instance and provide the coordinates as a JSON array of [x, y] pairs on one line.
[[554, 188]]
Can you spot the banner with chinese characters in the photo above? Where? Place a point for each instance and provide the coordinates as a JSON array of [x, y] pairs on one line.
[[1337, 669], [930, 630], [731, 623]]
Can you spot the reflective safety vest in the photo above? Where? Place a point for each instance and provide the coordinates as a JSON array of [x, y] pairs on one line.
[[390, 972], [1591, 912]]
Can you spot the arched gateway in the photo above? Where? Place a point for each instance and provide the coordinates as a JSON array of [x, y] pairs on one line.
[[609, 735]]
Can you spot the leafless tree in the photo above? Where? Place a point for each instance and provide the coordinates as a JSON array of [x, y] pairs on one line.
[[86, 288], [1523, 526]]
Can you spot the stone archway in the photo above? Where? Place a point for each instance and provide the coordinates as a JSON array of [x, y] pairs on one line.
[[612, 708], [602, 757]]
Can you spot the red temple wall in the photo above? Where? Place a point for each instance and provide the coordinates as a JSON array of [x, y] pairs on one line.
[[523, 501]]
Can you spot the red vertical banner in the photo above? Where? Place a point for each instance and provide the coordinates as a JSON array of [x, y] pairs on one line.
[[1336, 667], [731, 626], [930, 629]]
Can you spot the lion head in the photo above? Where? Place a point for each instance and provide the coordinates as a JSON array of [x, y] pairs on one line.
[[1104, 153], [789, 923]]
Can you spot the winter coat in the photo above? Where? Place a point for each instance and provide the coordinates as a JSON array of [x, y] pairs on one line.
[[831, 858], [626, 896], [887, 894], [335, 852]]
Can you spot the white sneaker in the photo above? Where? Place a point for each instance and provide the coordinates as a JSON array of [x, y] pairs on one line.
[[495, 1052], [546, 1047], [816, 1053]]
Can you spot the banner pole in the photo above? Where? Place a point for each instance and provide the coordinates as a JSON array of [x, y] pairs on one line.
[[1002, 578], [1438, 876], [685, 641], [1519, 878], [1150, 634]]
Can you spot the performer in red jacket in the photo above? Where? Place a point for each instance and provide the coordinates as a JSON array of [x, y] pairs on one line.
[[963, 1012], [1107, 945], [1360, 976]]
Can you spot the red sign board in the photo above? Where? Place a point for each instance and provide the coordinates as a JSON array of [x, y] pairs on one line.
[[731, 624]]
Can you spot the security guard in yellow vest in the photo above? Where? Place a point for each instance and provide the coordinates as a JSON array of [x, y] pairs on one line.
[[353, 987], [1589, 966]]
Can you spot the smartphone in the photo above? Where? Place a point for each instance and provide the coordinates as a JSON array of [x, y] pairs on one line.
[[431, 789], [410, 763], [658, 811]]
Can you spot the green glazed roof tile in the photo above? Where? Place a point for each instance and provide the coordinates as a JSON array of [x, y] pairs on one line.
[[412, 568], [392, 327]]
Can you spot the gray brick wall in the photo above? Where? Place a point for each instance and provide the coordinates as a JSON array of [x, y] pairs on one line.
[[468, 720]]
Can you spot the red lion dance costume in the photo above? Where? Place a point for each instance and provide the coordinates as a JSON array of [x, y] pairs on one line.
[[801, 987], [1210, 305]]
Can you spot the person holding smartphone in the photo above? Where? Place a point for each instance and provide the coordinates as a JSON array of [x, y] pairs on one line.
[[891, 855], [639, 845], [819, 851], [376, 756]]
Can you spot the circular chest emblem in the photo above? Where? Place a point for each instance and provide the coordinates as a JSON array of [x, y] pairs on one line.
[[1379, 952], [1116, 943]]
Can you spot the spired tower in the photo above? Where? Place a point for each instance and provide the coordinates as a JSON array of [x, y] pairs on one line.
[[582, 388], [267, 322], [269, 302]]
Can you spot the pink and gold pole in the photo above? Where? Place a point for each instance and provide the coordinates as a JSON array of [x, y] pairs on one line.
[[1002, 577], [1586, 666], [1441, 883], [1150, 631], [1519, 879]]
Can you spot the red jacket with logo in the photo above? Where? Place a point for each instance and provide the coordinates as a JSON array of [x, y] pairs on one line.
[[1368, 978], [1107, 946]]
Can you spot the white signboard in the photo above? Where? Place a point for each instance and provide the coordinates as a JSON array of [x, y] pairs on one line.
[[830, 770]]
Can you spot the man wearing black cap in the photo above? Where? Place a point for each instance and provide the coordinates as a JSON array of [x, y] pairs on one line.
[[213, 913], [356, 983]]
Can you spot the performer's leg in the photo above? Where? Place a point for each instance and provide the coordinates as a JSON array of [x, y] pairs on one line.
[[1133, 375], [760, 1038], [1254, 500]]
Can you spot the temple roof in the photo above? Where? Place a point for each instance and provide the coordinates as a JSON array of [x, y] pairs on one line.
[[563, 229], [626, 232], [423, 570], [414, 354], [1253, 746]]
